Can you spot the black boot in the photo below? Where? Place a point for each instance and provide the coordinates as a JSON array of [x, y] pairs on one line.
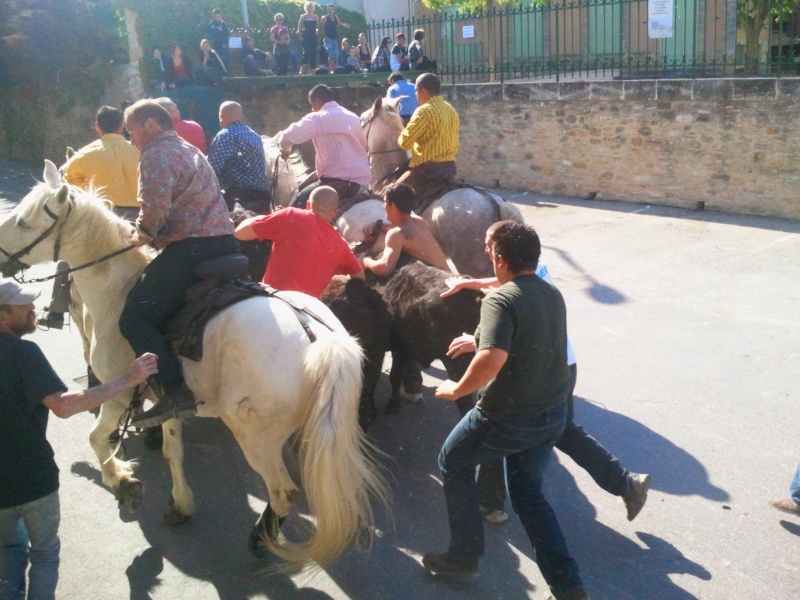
[[176, 401], [52, 320]]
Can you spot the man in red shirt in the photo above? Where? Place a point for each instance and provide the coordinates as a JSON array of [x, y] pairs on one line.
[[188, 130], [306, 250]]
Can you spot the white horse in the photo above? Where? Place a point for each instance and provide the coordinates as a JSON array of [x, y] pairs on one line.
[[459, 219], [259, 373]]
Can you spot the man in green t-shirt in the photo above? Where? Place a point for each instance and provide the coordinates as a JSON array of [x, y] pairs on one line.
[[520, 370]]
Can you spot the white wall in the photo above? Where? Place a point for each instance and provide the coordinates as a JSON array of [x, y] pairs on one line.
[[376, 10]]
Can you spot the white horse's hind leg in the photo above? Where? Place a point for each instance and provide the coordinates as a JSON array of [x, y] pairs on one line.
[[117, 474], [262, 444], [181, 506]]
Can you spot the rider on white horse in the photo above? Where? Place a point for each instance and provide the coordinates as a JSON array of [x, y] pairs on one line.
[[341, 148], [183, 214], [432, 138]]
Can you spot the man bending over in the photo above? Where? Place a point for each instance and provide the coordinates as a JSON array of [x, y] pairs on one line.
[[306, 251], [409, 233]]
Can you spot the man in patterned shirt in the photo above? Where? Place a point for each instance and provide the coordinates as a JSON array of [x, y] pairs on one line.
[[432, 137], [184, 215], [237, 157]]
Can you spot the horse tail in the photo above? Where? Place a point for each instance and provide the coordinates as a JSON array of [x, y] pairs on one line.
[[338, 464], [507, 211]]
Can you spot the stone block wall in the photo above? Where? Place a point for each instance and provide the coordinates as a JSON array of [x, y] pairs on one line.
[[725, 144]]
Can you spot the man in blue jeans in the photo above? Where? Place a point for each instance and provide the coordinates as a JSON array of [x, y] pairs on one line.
[[792, 503], [30, 511], [520, 369]]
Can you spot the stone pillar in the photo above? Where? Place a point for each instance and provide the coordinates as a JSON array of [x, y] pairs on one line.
[[134, 49]]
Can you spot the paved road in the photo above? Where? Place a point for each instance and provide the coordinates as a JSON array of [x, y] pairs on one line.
[[686, 328]]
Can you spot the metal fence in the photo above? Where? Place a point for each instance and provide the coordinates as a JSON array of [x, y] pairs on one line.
[[604, 39]]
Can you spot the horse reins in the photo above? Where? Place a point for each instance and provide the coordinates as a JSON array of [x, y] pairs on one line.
[[15, 262]]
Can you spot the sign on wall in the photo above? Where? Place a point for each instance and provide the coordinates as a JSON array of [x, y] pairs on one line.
[[660, 18]]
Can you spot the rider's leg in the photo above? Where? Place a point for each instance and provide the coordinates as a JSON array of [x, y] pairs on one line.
[[155, 299], [59, 304]]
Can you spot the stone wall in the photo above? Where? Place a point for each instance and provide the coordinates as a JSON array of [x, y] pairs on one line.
[[725, 144]]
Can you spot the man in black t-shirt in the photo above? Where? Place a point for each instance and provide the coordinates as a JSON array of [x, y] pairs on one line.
[[29, 389], [520, 370]]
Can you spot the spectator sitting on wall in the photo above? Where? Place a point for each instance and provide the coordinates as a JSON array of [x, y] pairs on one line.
[[416, 54], [353, 64], [158, 72], [344, 53], [398, 60], [380, 58], [211, 70], [218, 33], [364, 52], [178, 68], [254, 61], [400, 88]]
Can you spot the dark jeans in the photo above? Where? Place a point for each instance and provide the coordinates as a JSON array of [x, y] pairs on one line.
[[526, 443], [589, 454], [345, 189], [249, 199], [160, 293]]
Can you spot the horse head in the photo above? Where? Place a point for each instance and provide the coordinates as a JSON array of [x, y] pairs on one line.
[[289, 172], [31, 234]]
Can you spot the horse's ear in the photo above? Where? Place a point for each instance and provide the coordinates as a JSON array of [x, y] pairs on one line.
[[70, 152], [62, 195], [51, 176], [376, 106], [393, 102]]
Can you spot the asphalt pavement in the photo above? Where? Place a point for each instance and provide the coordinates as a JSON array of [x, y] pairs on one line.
[[687, 328]]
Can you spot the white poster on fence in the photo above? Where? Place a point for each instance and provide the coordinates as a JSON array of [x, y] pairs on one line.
[[659, 18]]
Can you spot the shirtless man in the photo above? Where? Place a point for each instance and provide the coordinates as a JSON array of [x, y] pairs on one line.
[[410, 234]]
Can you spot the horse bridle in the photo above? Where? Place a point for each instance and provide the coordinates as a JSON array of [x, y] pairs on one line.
[[14, 265], [369, 128], [14, 261]]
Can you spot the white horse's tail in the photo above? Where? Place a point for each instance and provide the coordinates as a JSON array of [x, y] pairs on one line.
[[338, 468]]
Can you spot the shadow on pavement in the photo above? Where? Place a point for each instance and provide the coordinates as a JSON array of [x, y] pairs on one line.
[[792, 528], [642, 450], [212, 546], [655, 210], [599, 292]]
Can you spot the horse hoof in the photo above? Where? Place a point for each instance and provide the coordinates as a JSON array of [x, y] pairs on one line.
[[129, 494], [154, 438], [256, 545], [172, 517]]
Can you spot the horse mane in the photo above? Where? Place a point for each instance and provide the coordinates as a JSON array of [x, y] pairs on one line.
[[299, 166], [100, 229]]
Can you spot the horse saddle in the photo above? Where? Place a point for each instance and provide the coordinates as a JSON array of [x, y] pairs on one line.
[[223, 284]]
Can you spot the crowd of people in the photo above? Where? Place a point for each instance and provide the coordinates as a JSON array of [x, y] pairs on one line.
[[323, 51], [178, 198]]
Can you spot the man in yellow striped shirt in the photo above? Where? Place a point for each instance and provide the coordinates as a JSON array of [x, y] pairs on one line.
[[110, 163], [432, 137]]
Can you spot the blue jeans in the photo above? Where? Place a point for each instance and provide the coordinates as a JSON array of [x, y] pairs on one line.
[[794, 488], [526, 444], [332, 48], [38, 522]]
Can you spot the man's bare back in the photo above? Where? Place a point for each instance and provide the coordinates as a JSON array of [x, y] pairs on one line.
[[418, 241]]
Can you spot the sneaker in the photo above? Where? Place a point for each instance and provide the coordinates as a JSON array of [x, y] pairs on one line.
[[498, 517], [786, 505], [176, 402], [444, 564], [52, 320], [636, 494]]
